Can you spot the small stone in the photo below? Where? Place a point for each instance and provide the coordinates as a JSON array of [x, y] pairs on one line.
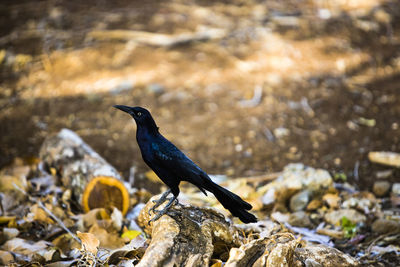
[[396, 189], [334, 217], [281, 132], [384, 226], [381, 188], [300, 219], [269, 197], [332, 200], [299, 201], [314, 205], [280, 217], [10, 233]]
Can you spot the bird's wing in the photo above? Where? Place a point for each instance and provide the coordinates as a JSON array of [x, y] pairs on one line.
[[168, 155], [172, 159]]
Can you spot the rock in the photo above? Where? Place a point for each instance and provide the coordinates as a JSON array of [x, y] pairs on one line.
[[385, 158], [10, 233], [332, 200], [281, 132], [381, 188], [300, 200], [384, 226], [280, 217], [314, 205], [185, 236], [320, 255], [383, 174], [364, 201], [310, 178], [334, 217], [269, 197], [294, 178], [396, 189], [300, 219], [246, 253], [275, 250], [282, 254]]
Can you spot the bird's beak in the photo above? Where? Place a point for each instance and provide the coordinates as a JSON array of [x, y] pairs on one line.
[[124, 108]]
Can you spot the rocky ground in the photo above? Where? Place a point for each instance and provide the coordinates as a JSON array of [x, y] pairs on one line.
[[305, 215], [243, 87]]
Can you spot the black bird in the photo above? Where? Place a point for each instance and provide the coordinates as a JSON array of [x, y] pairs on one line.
[[172, 167]]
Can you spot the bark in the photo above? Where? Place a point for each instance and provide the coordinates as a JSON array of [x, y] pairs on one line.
[[94, 182]]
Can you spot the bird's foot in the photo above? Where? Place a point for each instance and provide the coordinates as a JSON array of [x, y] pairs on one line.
[[160, 213], [160, 201]]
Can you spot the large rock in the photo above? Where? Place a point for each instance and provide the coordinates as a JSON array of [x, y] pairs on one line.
[[384, 226], [294, 178], [300, 219], [323, 256], [334, 217]]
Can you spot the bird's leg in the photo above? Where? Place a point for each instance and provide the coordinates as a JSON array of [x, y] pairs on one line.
[[164, 210], [160, 201]]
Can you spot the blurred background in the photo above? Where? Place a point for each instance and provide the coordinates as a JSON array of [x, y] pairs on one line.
[[243, 87]]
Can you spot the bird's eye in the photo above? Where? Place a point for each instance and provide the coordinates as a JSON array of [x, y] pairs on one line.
[[139, 114]]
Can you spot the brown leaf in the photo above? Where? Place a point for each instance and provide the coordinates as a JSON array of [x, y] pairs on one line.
[[108, 240], [89, 242]]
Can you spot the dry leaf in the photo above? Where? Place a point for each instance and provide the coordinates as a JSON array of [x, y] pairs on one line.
[[6, 257], [89, 242], [108, 240], [25, 247], [131, 234], [38, 214]]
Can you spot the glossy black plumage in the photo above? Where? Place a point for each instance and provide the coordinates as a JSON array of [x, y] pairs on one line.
[[172, 166]]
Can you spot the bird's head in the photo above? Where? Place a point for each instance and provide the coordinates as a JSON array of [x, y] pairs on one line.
[[141, 115]]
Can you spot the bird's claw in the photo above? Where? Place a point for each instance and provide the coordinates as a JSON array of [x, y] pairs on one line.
[[159, 213]]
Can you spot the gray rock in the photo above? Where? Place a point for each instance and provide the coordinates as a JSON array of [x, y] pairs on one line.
[[384, 226], [396, 189], [320, 255], [295, 178], [335, 216], [300, 219], [381, 188], [300, 200]]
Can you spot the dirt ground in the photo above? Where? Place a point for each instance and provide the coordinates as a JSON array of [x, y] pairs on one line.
[[315, 82]]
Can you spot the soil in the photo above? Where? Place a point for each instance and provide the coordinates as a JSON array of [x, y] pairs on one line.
[[329, 78]]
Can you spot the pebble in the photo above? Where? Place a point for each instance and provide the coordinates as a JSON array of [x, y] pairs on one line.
[[300, 219], [314, 204], [332, 200], [384, 226], [280, 217], [396, 189], [381, 188], [334, 217], [300, 200]]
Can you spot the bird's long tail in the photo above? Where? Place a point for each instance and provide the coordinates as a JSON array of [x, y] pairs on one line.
[[232, 202]]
